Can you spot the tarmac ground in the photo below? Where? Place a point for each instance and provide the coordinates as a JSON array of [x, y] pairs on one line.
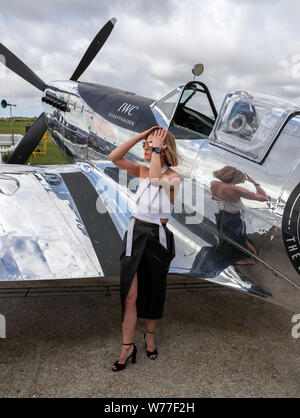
[[211, 342]]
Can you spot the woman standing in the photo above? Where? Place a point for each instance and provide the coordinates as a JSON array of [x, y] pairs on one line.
[[148, 244]]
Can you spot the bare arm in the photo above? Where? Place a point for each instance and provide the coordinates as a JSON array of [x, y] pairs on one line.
[[155, 166], [239, 192], [260, 194], [117, 155]]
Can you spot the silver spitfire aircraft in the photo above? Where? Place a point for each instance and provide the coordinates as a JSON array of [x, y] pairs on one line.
[[67, 222]]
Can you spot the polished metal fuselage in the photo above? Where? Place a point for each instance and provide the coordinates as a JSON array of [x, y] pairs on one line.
[[87, 137]]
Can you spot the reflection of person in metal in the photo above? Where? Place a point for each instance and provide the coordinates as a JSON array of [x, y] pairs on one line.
[[148, 245], [230, 218]]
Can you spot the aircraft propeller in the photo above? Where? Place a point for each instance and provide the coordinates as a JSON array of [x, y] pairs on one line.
[[93, 49], [29, 141], [33, 136], [17, 66]]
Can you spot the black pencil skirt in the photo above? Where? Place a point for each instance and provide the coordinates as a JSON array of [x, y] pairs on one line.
[[151, 260]]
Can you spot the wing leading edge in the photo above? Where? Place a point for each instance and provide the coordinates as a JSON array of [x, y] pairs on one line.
[[50, 227]]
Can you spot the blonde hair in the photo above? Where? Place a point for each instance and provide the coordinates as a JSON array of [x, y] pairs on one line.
[[230, 174], [172, 156]]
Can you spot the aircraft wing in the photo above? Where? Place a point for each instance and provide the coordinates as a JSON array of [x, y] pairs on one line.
[[50, 227]]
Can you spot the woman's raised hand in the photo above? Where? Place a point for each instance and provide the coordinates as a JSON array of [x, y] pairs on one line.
[[249, 178], [158, 138], [145, 134]]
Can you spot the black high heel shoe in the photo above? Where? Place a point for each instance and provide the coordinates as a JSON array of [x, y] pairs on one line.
[[133, 360], [150, 353]]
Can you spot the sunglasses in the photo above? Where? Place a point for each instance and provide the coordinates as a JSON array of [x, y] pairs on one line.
[[146, 144]]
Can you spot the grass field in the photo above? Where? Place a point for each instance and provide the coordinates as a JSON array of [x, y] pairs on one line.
[[19, 125], [53, 155]]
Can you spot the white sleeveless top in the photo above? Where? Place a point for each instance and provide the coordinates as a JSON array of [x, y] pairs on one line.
[[151, 204], [231, 207], [152, 201]]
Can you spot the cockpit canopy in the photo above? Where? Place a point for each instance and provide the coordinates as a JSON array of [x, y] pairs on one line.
[[249, 122], [188, 111]]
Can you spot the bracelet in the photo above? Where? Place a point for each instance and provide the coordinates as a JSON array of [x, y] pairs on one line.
[[256, 184]]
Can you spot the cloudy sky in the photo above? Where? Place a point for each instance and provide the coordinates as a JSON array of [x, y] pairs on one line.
[[243, 44]]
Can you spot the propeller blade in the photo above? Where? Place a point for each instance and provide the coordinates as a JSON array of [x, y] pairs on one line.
[[17, 66], [94, 48], [29, 141]]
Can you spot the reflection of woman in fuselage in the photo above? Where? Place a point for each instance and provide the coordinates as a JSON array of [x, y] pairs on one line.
[[231, 207]]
